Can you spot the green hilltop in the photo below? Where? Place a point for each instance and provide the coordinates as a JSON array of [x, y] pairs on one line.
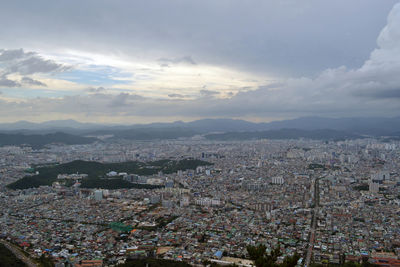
[[96, 171]]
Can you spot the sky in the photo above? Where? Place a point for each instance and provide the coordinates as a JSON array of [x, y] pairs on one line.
[[160, 61]]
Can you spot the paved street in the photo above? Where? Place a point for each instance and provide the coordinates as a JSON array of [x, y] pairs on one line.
[[313, 223]]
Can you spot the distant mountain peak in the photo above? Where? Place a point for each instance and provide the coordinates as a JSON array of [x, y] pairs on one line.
[[356, 125]]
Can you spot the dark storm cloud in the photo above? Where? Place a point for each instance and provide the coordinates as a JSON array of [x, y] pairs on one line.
[[17, 61], [353, 72], [10, 55], [393, 93], [34, 64], [281, 37], [26, 63], [379, 94], [30, 81], [4, 82]]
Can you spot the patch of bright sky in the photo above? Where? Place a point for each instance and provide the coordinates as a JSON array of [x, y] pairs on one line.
[[97, 76], [28, 93], [148, 78], [191, 79]]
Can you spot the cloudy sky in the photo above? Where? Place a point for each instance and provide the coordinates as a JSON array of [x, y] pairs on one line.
[[145, 61]]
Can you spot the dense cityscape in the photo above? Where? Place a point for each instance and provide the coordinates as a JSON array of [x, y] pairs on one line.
[[327, 201], [187, 133]]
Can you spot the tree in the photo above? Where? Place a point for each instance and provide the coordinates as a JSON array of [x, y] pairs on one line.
[[256, 252], [262, 259]]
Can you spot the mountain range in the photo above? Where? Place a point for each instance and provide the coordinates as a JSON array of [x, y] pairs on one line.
[[214, 129], [40, 140], [369, 126]]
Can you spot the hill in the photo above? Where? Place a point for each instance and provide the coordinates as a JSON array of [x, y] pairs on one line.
[[96, 171], [8, 259], [373, 126]]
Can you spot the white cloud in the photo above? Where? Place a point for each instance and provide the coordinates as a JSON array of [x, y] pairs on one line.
[[16, 64], [178, 92]]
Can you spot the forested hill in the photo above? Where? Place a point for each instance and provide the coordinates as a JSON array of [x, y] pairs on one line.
[[96, 171]]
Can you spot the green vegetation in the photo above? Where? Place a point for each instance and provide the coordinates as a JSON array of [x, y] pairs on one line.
[[262, 259], [362, 187], [154, 263], [96, 171], [120, 227], [117, 183], [185, 164], [8, 259], [37, 141], [314, 166], [163, 221], [44, 261]]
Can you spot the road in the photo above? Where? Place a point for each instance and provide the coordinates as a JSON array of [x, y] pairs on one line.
[[315, 211], [18, 253]]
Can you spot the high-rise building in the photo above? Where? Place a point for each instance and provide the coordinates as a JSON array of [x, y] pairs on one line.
[[373, 187], [277, 180], [380, 176], [184, 201], [98, 195]]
